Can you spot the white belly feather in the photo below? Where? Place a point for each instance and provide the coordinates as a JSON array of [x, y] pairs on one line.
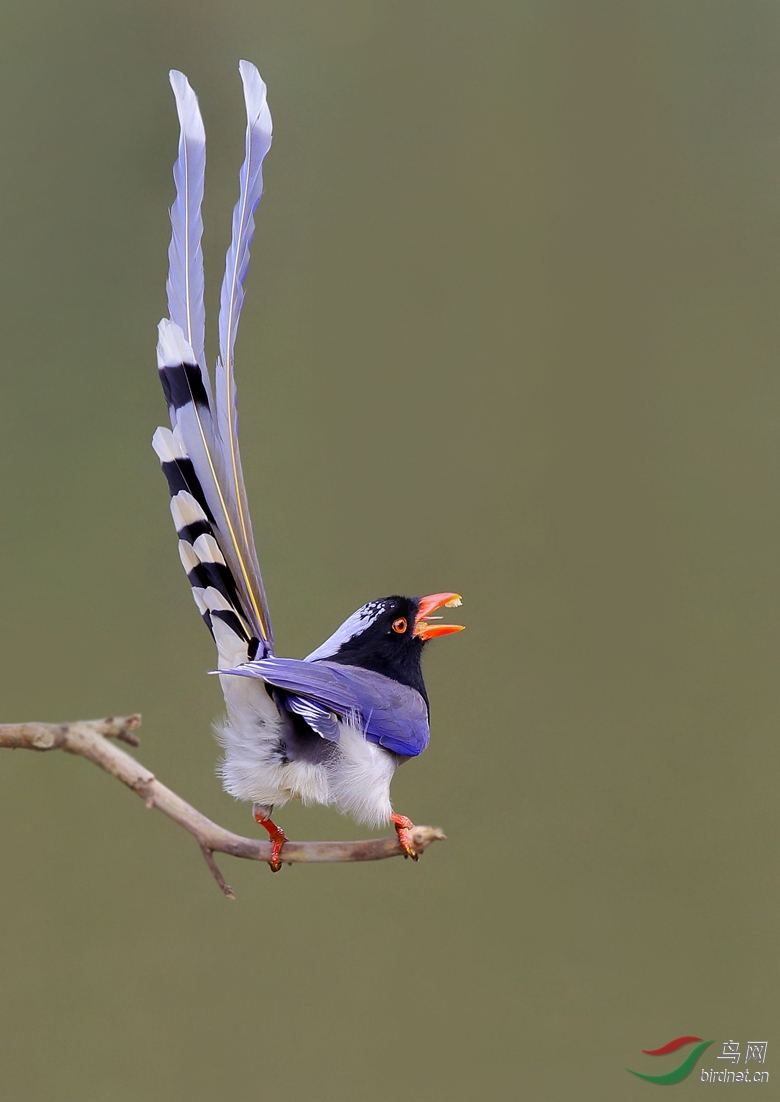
[[354, 778]]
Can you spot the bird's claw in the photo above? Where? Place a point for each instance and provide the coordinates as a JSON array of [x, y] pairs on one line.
[[403, 827], [277, 836], [276, 855]]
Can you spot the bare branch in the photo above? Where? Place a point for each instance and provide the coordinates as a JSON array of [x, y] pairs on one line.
[[89, 739], [208, 856]]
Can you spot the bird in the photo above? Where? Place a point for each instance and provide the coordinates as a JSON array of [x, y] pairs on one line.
[[331, 728]]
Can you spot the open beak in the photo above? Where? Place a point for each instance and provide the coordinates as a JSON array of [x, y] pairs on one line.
[[424, 630]]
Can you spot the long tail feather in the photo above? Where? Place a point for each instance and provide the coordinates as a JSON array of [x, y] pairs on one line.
[[185, 255], [213, 586], [258, 142], [208, 465], [192, 464]]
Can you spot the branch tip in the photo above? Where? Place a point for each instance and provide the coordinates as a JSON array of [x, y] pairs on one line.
[[208, 857]]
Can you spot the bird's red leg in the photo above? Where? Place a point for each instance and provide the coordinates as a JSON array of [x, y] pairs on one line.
[[403, 826], [277, 835]]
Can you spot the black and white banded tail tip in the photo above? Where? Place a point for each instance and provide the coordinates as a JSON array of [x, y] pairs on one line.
[[213, 586], [183, 380]]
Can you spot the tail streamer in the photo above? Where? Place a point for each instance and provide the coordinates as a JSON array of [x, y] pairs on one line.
[[200, 454]]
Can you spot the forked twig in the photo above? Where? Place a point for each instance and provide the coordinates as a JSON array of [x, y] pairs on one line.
[[90, 739]]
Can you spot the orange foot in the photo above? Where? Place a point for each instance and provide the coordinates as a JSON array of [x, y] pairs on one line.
[[403, 826], [277, 835]]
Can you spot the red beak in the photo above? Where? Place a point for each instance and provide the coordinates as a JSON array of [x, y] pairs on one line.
[[424, 630]]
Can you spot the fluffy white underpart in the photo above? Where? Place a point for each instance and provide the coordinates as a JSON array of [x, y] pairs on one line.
[[360, 776], [355, 778], [253, 767]]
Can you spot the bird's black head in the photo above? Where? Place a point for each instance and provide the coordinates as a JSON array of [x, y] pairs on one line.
[[388, 636]]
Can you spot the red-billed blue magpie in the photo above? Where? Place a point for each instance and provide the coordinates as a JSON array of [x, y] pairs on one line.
[[331, 728]]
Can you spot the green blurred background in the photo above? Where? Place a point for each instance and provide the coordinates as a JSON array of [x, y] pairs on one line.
[[511, 329]]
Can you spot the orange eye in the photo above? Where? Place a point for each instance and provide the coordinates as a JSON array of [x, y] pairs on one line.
[[399, 625]]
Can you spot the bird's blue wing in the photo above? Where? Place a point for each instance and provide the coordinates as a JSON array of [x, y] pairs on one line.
[[319, 718], [393, 715]]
